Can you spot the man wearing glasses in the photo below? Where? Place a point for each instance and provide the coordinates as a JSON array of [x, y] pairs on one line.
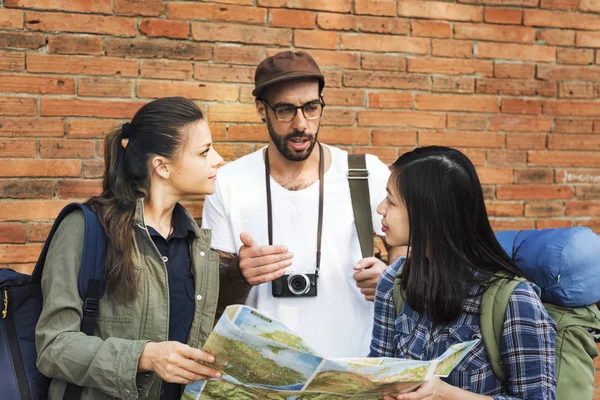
[[285, 214]]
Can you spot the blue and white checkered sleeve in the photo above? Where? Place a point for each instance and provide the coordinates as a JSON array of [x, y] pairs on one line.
[[384, 326], [527, 347]]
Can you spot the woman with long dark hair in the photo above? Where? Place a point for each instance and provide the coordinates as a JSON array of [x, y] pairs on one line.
[[162, 278], [435, 206]]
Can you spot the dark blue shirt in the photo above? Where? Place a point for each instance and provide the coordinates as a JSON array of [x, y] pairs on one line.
[[175, 251]]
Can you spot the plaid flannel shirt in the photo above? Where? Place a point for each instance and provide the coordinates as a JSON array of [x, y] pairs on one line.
[[527, 344]]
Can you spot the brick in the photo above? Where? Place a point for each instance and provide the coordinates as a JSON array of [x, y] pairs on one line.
[[246, 133], [13, 233], [19, 253], [341, 116], [246, 94], [89, 108], [70, 44], [495, 33], [511, 16], [12, 19], [18, 40], [577, 90], [216, 12], [561, 19], [451, 66], [509, 51], [352, 136], [78, 189], [38, 231], [151, 8], [238, 54], [593, 6], [587, 39], [533, 175], [232, 113], [516, 87], [390, 100], [344, 97], [438, 29], [520, 106], [93, 169], [292, 18], [452, 48], [453, 84], [165, 28], [556, 37], [384, 43], [315, 39], [342, 6], [467, 121], [415, 119], [224, 73], [11, 61], [104, 87], [564, 158], [394, 25], [597, 126], [218, 132], [524, 3], [571, 108], [333, 78], [18, 106], [566, 73], [35, 84], [17, 148], [386, 80], [158, 48], [31, 210], [337, 22], [375, 7], [440, 10], [587, 192], [166, 69], [534, 192], [216, 32], [67, 148], [575, 56], [525, 141], [569, 125], [386, 154], [552, 223], [75, 65], [560, 4], [573, 142], [90, 128], [326, 58], [441, 102], [394, 137], [196, 91], [31, 168], [476, 156], [582, 208], [96, 6], [386, 62], [31, 127], [461, 139], [233, 151], [544, 209], [506, 158], [504, 208], [86, 23], [510, 224], [516, 123]]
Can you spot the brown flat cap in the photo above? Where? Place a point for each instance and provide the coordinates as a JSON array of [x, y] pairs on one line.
[[285, 66]]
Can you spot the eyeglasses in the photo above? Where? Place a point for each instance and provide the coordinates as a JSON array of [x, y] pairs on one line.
[[287, 112]]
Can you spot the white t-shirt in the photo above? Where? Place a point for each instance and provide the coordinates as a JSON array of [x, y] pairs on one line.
[[338, 321]]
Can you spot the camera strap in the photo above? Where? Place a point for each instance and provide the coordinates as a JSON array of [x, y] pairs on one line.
[[321, 191]]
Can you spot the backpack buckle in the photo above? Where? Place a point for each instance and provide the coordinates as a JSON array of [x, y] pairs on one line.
[[91, 307], [357, 173]]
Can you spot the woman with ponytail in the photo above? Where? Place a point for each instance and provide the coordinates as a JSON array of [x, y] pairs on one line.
[[164, 285]]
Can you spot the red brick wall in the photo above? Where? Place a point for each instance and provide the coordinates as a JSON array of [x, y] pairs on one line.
[[514, 83]]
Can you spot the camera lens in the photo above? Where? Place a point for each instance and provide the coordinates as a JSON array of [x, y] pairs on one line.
[[298, 284]]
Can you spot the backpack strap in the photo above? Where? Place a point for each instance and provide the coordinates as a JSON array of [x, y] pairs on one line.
[[358, 179], [91, 275], [397, 297], [493, 309]]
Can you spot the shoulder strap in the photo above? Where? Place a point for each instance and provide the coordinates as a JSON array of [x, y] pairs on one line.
[[493, 310], [397, 297], [358, 179]]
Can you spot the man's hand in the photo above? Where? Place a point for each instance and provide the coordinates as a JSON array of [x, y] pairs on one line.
[[262, 264], [367, 275]]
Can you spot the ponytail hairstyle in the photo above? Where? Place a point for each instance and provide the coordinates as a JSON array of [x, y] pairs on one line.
[[157, 129]]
